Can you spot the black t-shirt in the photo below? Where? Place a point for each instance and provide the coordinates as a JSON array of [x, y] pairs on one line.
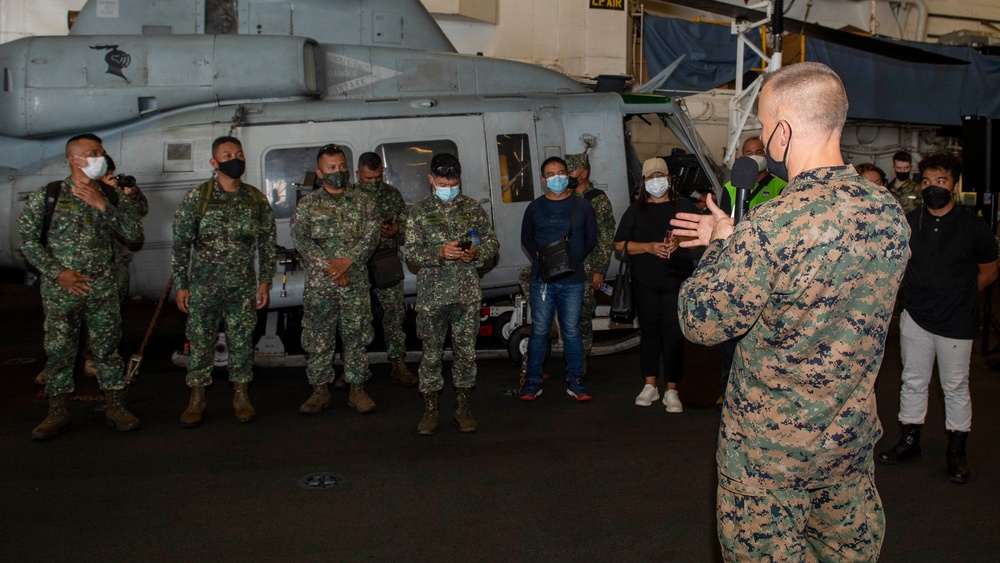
[[940, 288], [651, 225]]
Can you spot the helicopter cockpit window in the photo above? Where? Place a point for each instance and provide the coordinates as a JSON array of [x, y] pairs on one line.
[[289, 174], [516, 170], [407, 165], [220, 17]]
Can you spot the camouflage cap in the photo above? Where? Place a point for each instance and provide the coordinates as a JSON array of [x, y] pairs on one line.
[[574, 161]]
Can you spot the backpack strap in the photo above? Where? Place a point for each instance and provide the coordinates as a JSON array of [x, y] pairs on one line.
[[594, 194], [51, 198]]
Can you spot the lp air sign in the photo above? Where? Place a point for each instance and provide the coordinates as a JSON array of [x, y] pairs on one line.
[[607, 5]]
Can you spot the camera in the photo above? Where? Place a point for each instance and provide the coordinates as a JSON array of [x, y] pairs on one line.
[[125, 181]]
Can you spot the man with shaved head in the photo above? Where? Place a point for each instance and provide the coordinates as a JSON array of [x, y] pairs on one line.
[[808, 281], [67, 232]]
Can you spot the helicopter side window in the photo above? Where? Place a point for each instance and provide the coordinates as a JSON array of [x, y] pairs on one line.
[[407, 165], [516, 180], [220, 17], [290, 174]]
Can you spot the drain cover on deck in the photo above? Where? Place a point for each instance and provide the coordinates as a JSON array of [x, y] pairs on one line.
[[319, 481]]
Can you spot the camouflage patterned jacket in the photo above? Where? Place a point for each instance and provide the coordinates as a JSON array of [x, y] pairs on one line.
[[910, 195], [809, 278], [220, 246], [326, 227], [123, 254], [600, 257], [80, 237], [389, 203], [433, 224]]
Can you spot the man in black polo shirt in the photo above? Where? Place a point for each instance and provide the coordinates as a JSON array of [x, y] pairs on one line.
[[954, 257]]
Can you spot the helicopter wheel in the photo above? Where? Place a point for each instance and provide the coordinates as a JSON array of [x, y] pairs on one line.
[[517, 345], [501, 327]]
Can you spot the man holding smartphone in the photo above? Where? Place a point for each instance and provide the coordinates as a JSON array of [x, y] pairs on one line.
[[392, 210]]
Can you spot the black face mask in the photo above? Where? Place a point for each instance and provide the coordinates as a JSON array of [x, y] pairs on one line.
[[936, 197], [902, 176], [776, 168], [233, 168], [573, 183]]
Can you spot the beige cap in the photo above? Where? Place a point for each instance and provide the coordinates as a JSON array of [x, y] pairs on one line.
[[655, 164]]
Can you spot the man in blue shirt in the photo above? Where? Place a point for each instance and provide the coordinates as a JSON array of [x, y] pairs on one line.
[[546, 220]]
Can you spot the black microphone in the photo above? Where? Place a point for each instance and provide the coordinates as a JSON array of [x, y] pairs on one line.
[[743, 178]]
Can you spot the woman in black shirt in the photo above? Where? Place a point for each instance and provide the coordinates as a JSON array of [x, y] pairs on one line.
[[659, 266]]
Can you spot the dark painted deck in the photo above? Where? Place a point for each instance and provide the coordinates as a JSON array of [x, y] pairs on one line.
[[552, 480]]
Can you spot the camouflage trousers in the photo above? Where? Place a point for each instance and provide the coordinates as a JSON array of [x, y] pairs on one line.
[[843, 522], [65, 315], [209, 306], [325, 313], [432, 327], [393, 314], [586, 310]]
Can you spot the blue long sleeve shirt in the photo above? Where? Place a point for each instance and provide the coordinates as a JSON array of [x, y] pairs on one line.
[[547, 220]]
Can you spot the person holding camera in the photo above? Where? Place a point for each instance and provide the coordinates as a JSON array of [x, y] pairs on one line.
[[66, 232], [659, 267], [439, 240], [392, 212], [123, 254], [558, 232]]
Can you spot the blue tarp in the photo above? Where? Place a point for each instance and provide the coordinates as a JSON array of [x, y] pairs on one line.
[[877, 87], [710, 50]]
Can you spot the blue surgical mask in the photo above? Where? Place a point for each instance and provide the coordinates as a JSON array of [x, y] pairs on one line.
[[557, 184], [446, 193]]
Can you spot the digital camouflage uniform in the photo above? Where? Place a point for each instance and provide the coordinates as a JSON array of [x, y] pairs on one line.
[[123, 254], [80, 238], [810, 278], [909, 195], [324, 227], [222, 247], [597, 261], [448, 291], [389, 203]]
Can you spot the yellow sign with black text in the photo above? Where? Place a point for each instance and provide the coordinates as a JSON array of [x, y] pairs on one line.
[[607, 5]]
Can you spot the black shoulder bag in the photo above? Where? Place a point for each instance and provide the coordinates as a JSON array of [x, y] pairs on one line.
[[555, 261], [385, 268], [622, 308]]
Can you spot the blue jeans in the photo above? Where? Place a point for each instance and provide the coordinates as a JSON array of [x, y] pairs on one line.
[[566, 300]]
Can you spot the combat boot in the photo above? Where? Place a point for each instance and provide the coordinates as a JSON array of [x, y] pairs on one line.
[[196, 408], [908, 447], [319, 400], [401, 373], [429, 421], [116, 414], [958, 466], [359, 400], [241, 403], [463, 411], [57, 420]]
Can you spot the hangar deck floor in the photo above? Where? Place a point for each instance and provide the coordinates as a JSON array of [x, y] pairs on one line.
[[552, 480]]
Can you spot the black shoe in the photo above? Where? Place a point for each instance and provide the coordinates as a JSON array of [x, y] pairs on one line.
[[908, 447], [958, 466]]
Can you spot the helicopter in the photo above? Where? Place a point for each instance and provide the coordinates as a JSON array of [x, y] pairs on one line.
[[158, 81]]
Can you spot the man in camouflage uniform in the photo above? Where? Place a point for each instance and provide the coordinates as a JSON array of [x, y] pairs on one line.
[[392, 212], [597, 262], [221, 228], [78, 279], [902, 187], [448, 294], [808, 279], [335, 230]]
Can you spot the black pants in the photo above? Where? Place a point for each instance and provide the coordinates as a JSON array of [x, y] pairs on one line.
[[659, 331]]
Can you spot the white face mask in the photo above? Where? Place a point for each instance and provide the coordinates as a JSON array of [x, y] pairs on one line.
[[97, 167], [761, 162], [657, 186]]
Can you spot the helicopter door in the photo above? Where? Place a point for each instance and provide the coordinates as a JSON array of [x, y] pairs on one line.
[[514, 160]]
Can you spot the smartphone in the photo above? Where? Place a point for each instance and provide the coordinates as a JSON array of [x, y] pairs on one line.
[[465, 245]]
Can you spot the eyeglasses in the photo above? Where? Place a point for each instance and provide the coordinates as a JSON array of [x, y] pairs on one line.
[[446, 171]]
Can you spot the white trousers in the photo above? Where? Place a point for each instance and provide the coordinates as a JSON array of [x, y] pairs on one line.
[[919, 348]]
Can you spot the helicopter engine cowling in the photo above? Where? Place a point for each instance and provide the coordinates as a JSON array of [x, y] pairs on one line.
[[56, 85]]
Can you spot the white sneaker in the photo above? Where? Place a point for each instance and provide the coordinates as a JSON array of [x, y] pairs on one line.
[[649, 394], [672, 401]]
